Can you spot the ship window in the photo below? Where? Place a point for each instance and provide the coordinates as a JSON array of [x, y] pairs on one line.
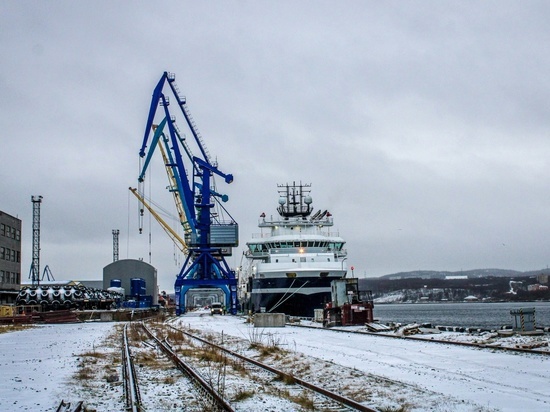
[[328, 259], [290, 274], [302, 259], [276, 260], [323, 274]]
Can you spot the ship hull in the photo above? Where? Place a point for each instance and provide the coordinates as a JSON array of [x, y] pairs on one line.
[[294, 297]]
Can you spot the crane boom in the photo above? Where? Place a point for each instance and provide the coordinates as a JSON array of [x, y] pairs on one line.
[[179, 242]]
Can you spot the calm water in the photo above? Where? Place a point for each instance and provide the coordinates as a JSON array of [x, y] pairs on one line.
[[476, 315]]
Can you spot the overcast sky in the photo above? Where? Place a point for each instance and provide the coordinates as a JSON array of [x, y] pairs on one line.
[[423, 126]]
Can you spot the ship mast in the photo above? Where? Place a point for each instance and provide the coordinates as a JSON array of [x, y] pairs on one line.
[[294, 200]]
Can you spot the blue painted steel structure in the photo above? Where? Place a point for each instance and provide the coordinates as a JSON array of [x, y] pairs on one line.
[[208, 239]]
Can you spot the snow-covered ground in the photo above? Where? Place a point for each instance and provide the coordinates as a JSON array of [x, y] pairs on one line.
[[38, 366], [481, 378]]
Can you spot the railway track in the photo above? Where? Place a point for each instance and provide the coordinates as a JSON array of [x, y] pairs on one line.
[[204, 397], [131, 387], [215, 400], [326, 400], [432, 340]]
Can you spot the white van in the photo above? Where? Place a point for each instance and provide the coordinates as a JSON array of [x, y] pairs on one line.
[[216, 308]]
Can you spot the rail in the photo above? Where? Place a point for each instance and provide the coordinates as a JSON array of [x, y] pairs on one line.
[[202, 385], [131, 387], [350, 403], [416, 338]]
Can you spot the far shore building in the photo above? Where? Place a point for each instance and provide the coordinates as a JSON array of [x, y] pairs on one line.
[[10, 258]]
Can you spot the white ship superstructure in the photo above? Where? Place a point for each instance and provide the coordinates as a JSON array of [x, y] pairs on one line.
[[295, 257]]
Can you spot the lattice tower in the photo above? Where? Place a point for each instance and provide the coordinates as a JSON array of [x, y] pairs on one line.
[[35, 266], [115, 244]]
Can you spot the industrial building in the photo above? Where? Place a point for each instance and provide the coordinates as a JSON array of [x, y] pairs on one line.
[[10, 258], [137, 278]]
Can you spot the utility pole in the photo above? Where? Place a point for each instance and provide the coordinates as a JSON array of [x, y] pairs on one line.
[[115, 244], [35, 266]]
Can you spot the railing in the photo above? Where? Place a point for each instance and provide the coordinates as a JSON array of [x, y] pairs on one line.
[[276, 233]]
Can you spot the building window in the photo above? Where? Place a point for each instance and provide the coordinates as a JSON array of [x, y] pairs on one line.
[[17, 234], [2, 229]]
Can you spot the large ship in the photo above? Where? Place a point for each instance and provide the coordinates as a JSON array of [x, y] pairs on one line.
[[294, 259]]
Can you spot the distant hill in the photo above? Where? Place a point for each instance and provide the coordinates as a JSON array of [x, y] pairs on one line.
[[439, 286], [474, 273]]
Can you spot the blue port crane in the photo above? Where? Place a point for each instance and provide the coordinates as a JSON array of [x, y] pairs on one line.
[[208, 235]]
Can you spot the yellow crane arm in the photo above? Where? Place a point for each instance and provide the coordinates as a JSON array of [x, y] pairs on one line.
[[173, 186], [179, 242]]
